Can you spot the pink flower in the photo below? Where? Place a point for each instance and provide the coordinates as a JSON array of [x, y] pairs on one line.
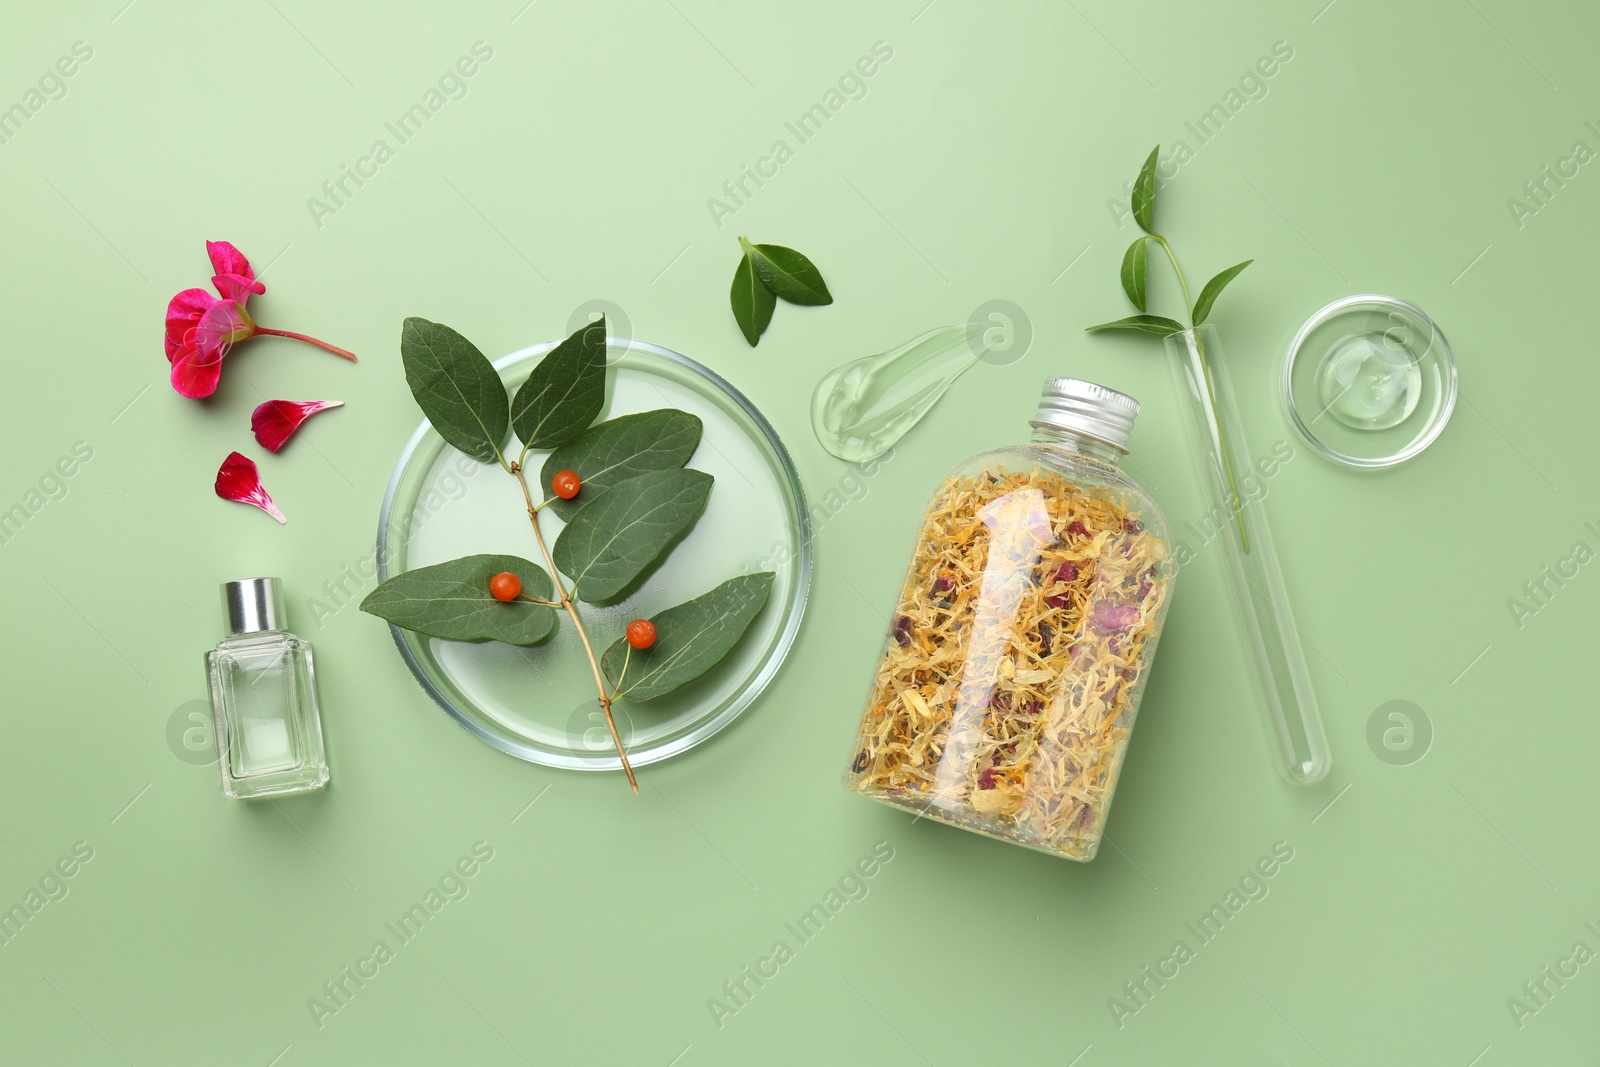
[[276, 420], [200, 328], [238, 480]]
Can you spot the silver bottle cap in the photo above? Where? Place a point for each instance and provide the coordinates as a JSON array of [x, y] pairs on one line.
[[1080, 407], [252, 605]]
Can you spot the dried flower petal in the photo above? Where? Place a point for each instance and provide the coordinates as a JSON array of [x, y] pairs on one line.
[[276, 420], [1110, 617], [900, 629], [238, 479], [1067, 573]]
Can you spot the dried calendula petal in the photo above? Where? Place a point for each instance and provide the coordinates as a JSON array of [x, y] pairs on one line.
[[918, 706], [1003, 700]]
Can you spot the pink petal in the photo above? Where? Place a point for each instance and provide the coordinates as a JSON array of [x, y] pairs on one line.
[[196, 369], [237, 287], [238, 480], [1110, 617], [274, 421], [226, 259], [223, 323], [183, 315]]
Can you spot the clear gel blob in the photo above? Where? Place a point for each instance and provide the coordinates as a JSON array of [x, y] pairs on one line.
[[1368, 384], [861, 408]]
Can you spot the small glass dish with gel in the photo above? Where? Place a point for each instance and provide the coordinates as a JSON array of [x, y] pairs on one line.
[[1369, 381]]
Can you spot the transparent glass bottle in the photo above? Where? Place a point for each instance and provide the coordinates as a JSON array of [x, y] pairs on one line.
[[264, 697], [1024, 634]]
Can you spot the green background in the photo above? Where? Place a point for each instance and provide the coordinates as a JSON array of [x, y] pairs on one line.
[[978, 165]]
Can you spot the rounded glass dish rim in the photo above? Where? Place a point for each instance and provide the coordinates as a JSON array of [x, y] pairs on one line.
[[1416, 447], [758, 683]]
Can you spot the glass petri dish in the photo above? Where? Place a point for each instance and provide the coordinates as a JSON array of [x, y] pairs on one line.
[[1369, 381], [538, 703]]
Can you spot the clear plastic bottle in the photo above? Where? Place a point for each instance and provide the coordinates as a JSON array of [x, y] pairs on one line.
[[264, 697], [1024, 634]]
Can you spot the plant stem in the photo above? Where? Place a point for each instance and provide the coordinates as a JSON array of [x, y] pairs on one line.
[[1211, 397], [1222, 445], [623, 674], [1188, 304], [335, 349], [577, 623]]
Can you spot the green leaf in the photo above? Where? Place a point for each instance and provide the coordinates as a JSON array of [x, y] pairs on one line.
[[1147, 323], [752, 301], [456, 387], [452, 600], [690, 638], [787, 273], [565, 392], [1208, 295], [1133, 272], [1144, 191], [620, 535], [620, 448]]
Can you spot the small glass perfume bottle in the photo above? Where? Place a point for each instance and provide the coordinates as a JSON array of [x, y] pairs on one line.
[[264, 697]]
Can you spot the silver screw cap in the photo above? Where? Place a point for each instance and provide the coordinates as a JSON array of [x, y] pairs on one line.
[[1076, 406], [252, 605]]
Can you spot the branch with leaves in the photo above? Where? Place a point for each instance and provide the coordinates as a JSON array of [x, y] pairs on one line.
[[1134, 263], [625, 495]]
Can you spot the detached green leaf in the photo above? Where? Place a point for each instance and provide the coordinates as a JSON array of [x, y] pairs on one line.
[[452, 600], [565, 392], [456, 387], [752, 301], [787, 273], [621, 534], [620, 448], [1208, 295], [1133, 272], [1147, 323], [1144, 191], [690, 638]]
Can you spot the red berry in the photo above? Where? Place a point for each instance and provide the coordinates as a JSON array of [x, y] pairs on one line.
[[505, 586], [566, 484], [641, 633]]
